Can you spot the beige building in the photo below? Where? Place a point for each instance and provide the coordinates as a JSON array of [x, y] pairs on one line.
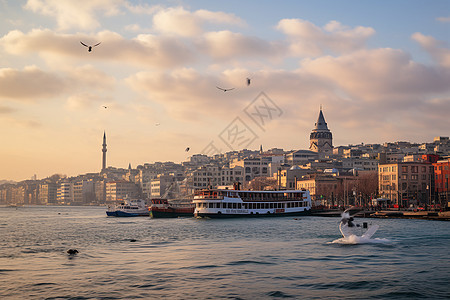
[[64, 193], [47, 193], [322, 188], [162, 185], [287, 179], [121, 189], [254, 167], [405, 183]]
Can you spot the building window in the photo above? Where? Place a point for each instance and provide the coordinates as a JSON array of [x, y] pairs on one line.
[[404, 169]]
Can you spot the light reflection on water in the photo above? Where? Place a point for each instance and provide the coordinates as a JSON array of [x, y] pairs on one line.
[[200, 259]]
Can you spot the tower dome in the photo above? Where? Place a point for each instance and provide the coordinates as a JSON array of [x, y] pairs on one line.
[[321, 138]]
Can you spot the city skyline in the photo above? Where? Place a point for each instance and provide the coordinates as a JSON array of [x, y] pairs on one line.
[[380, 73]]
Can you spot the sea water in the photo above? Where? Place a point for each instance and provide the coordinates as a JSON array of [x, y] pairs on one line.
[[187, 258]]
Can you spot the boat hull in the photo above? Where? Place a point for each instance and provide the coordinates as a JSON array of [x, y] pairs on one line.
[[252, 215], [119, 213], [171, 212]]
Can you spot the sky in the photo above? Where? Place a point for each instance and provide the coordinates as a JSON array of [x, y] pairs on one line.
[[380, 71]]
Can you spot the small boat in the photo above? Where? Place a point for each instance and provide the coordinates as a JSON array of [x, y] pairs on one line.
[[128, 208], [161, 208]]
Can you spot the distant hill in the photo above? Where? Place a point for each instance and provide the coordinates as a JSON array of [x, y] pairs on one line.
[[6, 181]]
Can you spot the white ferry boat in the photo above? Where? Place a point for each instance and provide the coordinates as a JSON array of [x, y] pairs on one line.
[[128, 208], [224, 203]]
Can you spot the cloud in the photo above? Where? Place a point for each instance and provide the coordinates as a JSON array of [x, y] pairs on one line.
[[307, 39], [443, 19], [226, 44], [89, 77], [86, 100], [6, 110], [145, 49], [372, 75], [439, 50], [81, 14], [32, 83], [178, 21], [183, 92], [29, 84]]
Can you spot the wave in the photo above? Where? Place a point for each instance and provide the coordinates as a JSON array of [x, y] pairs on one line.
[[245, 262], [357, 240]]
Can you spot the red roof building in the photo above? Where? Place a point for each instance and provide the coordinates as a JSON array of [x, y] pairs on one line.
[[441, 179]]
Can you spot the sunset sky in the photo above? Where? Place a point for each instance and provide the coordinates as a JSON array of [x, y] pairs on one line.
[[379, 69]]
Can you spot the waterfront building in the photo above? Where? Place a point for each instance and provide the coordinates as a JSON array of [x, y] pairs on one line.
[[321, 138], [48, 193], [405, 183], [322, 188], [287, 178], [204, 176], [100, 191], [161, 184], [145, 177], [64, 193], [254, 166], [83, 192], [121, 189], [442, 182], [228, 176]]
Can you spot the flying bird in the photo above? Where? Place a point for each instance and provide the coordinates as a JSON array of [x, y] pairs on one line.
[[225, 90], [248, 81], [157, 124], [105, 107], [187, 149], [90, 47]]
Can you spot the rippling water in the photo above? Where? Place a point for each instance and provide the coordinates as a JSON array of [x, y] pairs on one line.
[[186, 258]]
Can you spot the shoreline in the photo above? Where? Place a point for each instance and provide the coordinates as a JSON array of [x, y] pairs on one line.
[[397, 214]]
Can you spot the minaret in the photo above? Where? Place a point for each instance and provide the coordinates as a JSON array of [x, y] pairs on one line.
[[104, 152], [321, 139]]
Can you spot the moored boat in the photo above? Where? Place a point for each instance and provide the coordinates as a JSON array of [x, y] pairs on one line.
[[224, 203], [128, 208], [161, 208]]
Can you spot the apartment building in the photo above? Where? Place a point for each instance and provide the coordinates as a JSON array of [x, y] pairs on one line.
[[442, 182], [64, 193], [406, 183], [48, 193], [121, 189]]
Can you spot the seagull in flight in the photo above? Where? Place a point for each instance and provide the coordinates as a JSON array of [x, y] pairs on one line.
[[89, 47], [187, 149], [225, 90], [248, 81], [105, 107]]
